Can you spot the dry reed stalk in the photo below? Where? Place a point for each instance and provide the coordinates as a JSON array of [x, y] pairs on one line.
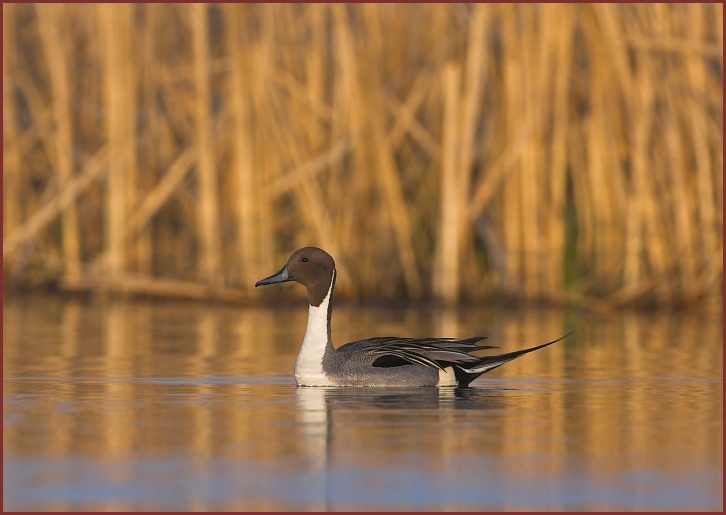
[[470, 116], [12, 164], [599, 164], [116, 25], [247, 187], [51, 21], [610, 261], [446, 261], [315, 73], [134, 176], [265, 216], [150, 118], [681, 181], [208, 218], [531, 193], [351, 119], [697, 74], [683, 248], [511, 215], [560, 21], [645, 194]]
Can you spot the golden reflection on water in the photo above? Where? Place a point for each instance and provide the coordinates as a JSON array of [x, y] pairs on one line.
[[208, 390]]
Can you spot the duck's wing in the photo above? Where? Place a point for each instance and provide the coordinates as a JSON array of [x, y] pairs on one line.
[[440, 353], [393, 351]]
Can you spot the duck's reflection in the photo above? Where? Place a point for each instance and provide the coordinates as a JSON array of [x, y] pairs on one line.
[[333, 399], [336, 425], [323, 412]]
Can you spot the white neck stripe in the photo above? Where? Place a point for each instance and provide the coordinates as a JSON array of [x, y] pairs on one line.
[[309, 364]]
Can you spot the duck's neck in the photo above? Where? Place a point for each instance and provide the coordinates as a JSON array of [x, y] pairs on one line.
[[316, 343]]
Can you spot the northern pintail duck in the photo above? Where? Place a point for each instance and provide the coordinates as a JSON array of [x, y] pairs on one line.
[[379, 361]]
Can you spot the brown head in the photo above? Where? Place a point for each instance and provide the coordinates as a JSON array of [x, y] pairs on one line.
[[310, 266]]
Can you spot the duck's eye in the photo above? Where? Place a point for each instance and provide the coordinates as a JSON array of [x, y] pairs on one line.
[[304, 260]]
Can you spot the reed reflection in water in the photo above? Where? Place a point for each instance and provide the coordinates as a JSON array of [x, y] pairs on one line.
[[113, 405]]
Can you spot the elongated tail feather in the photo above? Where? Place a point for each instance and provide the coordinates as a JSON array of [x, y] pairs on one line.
[[467, 372]]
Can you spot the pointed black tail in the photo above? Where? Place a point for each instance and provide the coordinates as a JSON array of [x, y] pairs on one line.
[[466, 374]]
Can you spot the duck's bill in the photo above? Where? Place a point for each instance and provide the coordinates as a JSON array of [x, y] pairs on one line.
[[280, 277]]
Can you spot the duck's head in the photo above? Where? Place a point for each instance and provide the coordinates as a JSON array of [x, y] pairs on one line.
[[310, 266]]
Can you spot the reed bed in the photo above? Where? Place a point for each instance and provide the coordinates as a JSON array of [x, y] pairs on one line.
[[568, 153]]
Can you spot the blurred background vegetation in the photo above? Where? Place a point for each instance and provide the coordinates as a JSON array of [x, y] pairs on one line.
[[567, 153]]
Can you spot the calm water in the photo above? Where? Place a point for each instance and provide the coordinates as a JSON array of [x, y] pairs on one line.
[[186, 406]]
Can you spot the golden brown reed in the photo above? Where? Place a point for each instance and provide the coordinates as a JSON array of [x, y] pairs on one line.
[[571, 153]]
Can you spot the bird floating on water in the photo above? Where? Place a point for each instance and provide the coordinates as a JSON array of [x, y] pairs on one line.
[[378, 361]]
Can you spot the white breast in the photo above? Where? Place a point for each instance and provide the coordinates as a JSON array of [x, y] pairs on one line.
[[309, 364]]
